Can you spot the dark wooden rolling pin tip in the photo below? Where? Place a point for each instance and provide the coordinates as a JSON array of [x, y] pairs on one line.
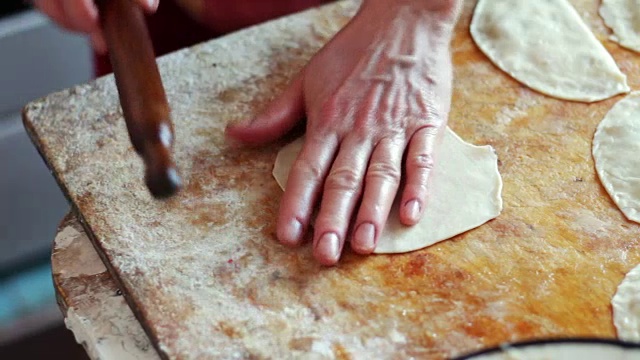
[[142, 96], [162, 183], [161, 177]]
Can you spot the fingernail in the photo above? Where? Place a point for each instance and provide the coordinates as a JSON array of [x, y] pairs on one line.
[[292, 232], [329, 246], [364, 237], [413, 210]]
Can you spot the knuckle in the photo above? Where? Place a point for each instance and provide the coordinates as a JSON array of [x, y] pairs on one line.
[[330, 107], [358, 137], [418, 189], [310, 170], [385, 171], [420, 161], [435, 116], [431, 128], [343, 179]]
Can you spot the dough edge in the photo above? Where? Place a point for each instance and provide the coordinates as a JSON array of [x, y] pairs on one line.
[[608, 12], [493, 199], [626, 298], [535, 84], [614, 186]]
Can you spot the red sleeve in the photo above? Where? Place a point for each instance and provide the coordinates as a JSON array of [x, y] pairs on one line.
[[170, 29]]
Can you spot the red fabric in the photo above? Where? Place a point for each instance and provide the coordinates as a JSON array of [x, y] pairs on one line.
[[225, 16], [171, 28]]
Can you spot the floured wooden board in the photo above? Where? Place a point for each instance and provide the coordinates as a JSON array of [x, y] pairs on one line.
[[207, 279]]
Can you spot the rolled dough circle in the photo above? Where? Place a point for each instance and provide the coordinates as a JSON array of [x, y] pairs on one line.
[[465, 193], [622, 17], [626, 307], [545, 45], [616, 153]]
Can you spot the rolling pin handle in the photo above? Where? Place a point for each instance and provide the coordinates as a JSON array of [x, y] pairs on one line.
[[142, 96]]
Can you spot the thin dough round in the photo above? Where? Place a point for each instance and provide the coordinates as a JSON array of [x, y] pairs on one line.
[[466, 193], [623, 17], [545, 45], [626, 307], [568, 349], [616, 153]]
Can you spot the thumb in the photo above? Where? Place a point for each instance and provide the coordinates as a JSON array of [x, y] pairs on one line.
[[280, 116]]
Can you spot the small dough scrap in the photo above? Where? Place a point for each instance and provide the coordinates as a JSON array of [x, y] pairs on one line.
[[626, 307], [545, 45], [616, 153], [623, 17], [466, 193]]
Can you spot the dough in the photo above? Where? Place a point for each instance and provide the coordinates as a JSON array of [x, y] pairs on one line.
[[466, 193], [566, 349], [623, 17], [546, 45], [626, 307], [616, 152]]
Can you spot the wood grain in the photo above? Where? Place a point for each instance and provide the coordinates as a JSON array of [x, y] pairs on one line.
[[207, 279]]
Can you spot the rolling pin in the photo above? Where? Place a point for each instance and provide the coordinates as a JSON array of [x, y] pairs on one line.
[[141, 93]]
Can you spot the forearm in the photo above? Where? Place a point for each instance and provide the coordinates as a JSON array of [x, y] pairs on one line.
[[412, 32]]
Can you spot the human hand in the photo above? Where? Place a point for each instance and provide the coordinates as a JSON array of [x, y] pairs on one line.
[[82, 16], [380, 89]]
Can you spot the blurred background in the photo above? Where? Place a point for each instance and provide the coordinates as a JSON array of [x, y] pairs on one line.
[[36, 58]]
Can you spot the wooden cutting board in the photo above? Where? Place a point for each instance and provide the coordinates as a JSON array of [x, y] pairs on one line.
[[207, 278]]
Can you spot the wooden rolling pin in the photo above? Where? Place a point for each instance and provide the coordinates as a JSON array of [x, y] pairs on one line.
[[142, 96]]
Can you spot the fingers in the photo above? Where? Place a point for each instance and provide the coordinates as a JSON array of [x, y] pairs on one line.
[[419, 164], [149, 6], [303, 188], [381, 185], [53, 9], [75, 15], [98, 42], [342, 191], [81, 15], [280, 116]]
